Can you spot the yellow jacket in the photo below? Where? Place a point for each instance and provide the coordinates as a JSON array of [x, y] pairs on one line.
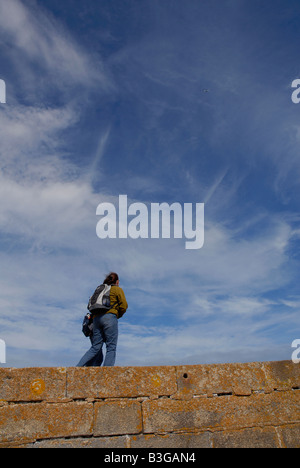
[[118, 301]]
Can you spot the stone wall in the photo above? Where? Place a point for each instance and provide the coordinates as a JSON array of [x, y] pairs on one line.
[[225, 405]]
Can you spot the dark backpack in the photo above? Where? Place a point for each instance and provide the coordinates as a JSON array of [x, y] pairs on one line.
[[87, 325], [100, 299]]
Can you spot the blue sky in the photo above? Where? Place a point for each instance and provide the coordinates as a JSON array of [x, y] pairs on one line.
[[164, 101]]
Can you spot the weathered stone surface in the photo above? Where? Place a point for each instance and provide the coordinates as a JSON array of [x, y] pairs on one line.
[[118, 418], [32, 384], [283, 375], [290, 436], [224, 405], [115, 382], [246, 438], [94, 442], [239, 379], [221, 413], [175, 441], [41, 421]]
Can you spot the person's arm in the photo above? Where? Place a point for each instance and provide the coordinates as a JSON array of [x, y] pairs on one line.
[[122, 303]]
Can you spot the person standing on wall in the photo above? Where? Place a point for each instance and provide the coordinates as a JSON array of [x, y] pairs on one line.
[[105, 325]]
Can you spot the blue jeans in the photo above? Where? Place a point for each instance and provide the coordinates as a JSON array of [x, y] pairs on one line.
[[105, 331]]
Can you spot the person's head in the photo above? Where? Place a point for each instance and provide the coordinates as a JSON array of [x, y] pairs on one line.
[[112, 279]]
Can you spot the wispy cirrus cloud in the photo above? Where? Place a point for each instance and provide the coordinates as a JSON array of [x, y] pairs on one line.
[[40, 42]]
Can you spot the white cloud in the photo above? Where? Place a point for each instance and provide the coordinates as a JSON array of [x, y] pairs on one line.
[[31, 139], [38, 36], [51, 214]]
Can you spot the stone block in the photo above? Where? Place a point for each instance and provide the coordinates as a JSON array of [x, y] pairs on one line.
[[166, 415], [246, 438], [221, 379], [174, 441], [120, 382], [118, 417], [290, 436], [32, 384], [27, 422], [282, 375]]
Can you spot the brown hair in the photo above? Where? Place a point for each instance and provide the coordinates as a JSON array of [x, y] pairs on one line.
[[112, 278]]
